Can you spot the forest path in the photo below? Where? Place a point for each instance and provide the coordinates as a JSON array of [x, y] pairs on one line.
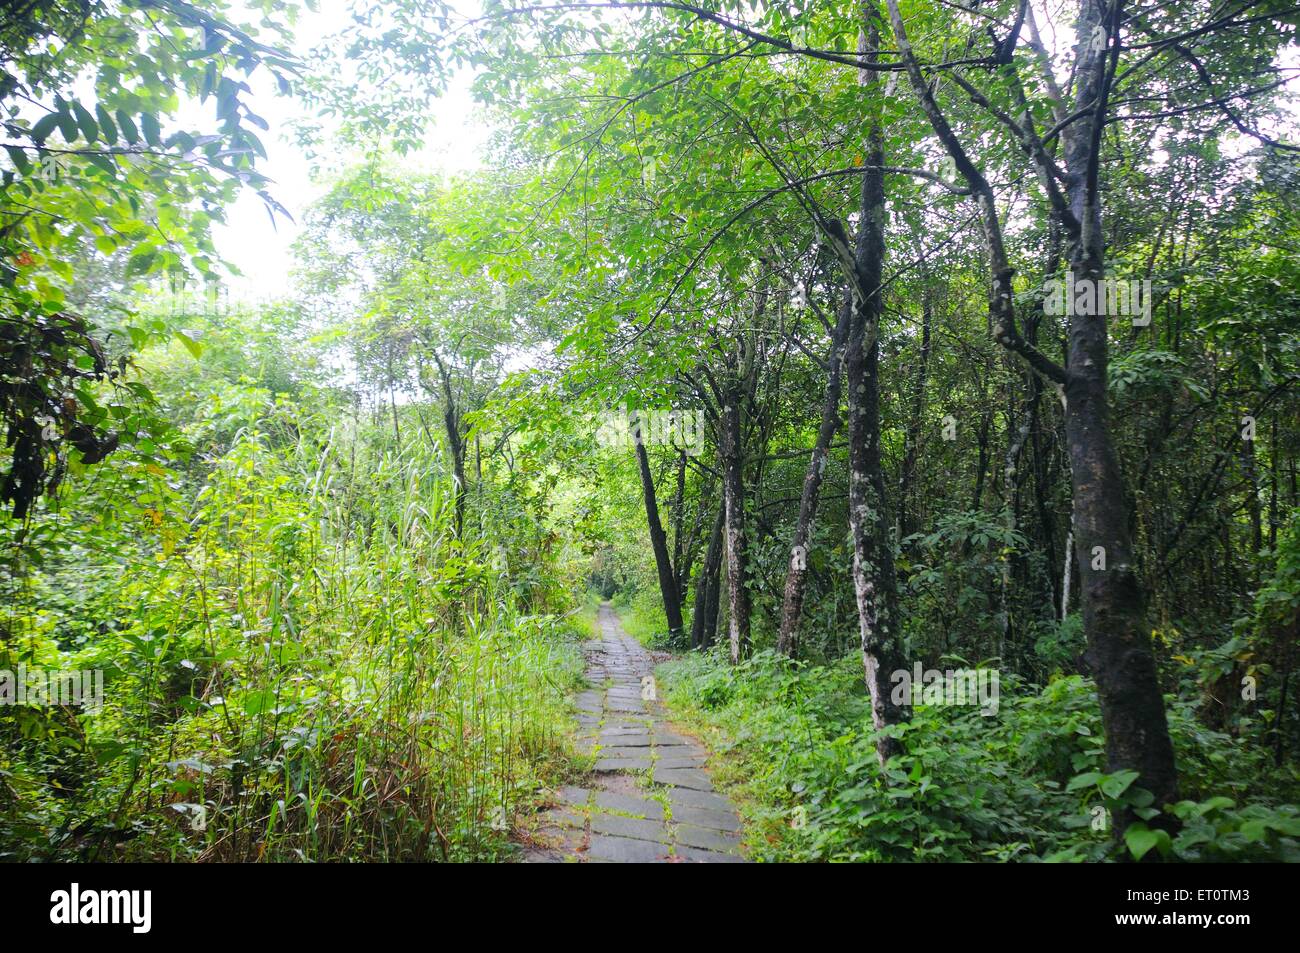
[[676, 817]]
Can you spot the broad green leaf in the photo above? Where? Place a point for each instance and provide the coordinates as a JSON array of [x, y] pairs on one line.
[[44, 126], [152, 131], [127, 125], [106, 124], [1140, 839], [85, 122]]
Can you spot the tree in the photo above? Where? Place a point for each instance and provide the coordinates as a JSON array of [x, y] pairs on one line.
[[98, 170]]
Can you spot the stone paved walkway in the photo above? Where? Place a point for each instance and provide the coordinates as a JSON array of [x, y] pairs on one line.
[[650, 800]]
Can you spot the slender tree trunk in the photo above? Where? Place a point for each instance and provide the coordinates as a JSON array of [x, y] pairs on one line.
[[733, 493], [1253, 508], [658, 540], [451, 417], [714, 608], [982, 464], [392, 399], [392, 406], [686, 561], [1119, 640], [796, 577], [1272, 486], [679, 499], [1066, 574], [1288, 640], [1119, 645], [906, 516], [874, 582], [1016, 438], [704, 621], [1046, 522], [452, 420]]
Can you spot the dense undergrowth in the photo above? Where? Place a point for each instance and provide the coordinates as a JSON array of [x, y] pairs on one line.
[[1024, 784], [301, 660], [1027, 783]]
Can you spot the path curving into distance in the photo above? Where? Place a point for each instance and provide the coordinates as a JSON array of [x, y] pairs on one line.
[[650, 800]]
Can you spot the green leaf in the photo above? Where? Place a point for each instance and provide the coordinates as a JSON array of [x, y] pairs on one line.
[[141, 262], [209, 80], [259, 701], [18, 156], [127, 125], [1084, 780], [85, 122], [1139, 797], [99, 160], [152, 131], [1217, 803], [1254, 831], [1116, 784], [67, 122], [106, 125], [192, 343], [44, 126], [1140, 839]]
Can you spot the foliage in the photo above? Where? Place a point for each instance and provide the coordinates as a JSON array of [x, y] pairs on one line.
[[1025, 784], [329, 568], [89, 92], [300, 660]]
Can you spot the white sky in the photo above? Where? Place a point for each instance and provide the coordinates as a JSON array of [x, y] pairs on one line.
[[262, 252]]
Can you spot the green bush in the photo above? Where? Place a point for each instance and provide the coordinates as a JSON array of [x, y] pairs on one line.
[[1025, 784], [301, 663]]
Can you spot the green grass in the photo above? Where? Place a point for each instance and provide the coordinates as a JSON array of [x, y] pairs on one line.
[[642, 617], [585, 617], [308, 666]]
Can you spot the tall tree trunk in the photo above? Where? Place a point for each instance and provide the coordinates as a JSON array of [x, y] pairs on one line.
[[1046, 524], [906, 516], [1066, 574], [679, 499], [705, 619], [1119, 646], [1253, 507], [683, 563], [1017, 435], [982, 462], [733, 494], [796, 576], [1272, 486], [451, 418], [392, 399], [714, 607], [1119, 640], [874, 582], [658, 540]]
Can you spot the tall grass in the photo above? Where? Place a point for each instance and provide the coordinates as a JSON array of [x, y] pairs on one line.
[[308, 666]]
